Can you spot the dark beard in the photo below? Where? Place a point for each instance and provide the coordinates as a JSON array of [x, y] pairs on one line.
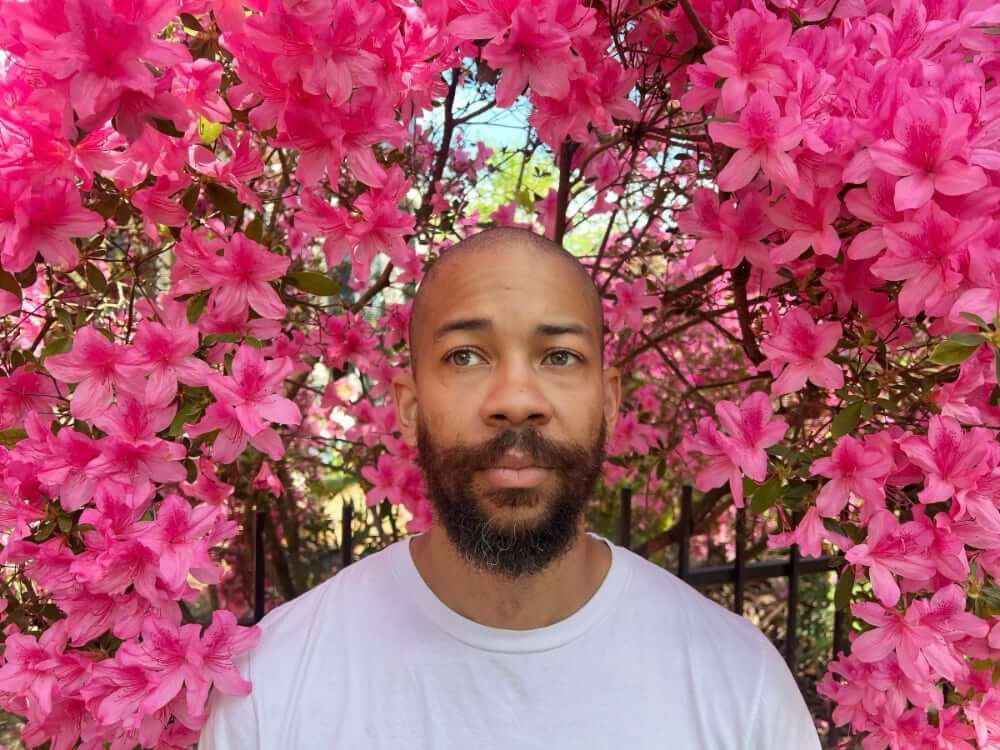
[[522, 549]]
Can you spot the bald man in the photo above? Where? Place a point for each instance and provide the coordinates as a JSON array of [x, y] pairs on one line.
[[507, 624]]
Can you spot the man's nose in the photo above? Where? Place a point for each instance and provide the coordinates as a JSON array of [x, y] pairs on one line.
[[515, 398]]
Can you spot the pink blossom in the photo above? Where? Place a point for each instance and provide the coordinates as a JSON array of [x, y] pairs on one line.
[[809, 224], [854, 467], [730, 232], [751, 56], [891, 548], [630, 300], [951, 458], [166, 355], [927, 137], [240, 278], [762, 138], [42, 219], [24, 391], [798, 353], [250, 390], [97, 365]]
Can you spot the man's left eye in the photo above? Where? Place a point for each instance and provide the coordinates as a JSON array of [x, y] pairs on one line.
[[562, 357]]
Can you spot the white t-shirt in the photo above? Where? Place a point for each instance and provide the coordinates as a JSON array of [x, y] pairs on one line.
[[372, 660]]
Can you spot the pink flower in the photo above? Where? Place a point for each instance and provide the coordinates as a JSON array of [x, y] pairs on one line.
[[896, 633], [810, 224], [852, 468], [97, 365], [166, 355], [751, 56], [222, 640], [891, 548], [42, 219], [232, 438], [388, 477], [719, 466], [730, 232], [927, 136], [181, 536], [630, 300], [239, 278], [809, 535], [22, 392], [762, 138], [32, 667], [196, 85], [250, 390], [798, 351], [925, 252], [951, 458]]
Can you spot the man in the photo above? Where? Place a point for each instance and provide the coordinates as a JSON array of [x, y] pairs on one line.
[[507, 625]]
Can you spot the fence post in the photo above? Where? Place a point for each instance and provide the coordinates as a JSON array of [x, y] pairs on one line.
[[741, 562], [625, 519], [346, 512], [792, 624], [258, 565], [684, 553]]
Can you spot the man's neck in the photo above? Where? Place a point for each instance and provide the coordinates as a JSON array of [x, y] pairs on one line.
[[533, 602]]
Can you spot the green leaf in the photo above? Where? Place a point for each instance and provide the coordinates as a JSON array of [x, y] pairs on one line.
[[190, 22], [951, 353], [208, 131], [223, 199], [192, 470], [195, 306], [65, 524], [255, 229], [10, 436], [845, 588], [766, 495], [59, 345], [95, 277], [973, 318], [996, 363], [44, 531], [189, 198], [313, 282], [846, 419], [967, 339]]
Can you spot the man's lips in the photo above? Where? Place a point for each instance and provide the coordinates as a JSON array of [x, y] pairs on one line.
[[528, 476]]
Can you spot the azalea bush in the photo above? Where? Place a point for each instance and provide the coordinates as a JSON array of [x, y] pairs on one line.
[[213, 215]]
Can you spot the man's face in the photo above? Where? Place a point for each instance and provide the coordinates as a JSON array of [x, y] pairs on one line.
[[510, 406]]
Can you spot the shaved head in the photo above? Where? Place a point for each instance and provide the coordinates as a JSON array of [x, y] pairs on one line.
[[497, 240]]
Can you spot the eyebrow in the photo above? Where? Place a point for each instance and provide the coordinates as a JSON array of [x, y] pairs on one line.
[[484, 324]]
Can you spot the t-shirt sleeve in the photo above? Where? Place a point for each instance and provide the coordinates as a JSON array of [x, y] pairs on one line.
[[781, 721], [232, 719]]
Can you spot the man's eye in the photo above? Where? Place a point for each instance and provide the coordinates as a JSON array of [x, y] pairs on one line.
[[462, 357], [562, 357]]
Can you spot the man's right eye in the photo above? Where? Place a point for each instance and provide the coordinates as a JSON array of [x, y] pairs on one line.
[[462, 357]]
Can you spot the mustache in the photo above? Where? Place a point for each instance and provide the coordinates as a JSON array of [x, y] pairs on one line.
[[543, 452]]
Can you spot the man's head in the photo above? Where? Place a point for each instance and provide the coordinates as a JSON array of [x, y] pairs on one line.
[[508, 402]]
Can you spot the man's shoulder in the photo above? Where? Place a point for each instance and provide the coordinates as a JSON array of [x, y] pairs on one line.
[[327, 606], [669, 599]]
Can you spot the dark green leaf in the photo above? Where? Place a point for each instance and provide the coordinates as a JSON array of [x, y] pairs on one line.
[[845, 588], [223, 199], [196, 306], [190, 22], [59, 345], [189, 198], [95, 277], [167, 127], [846, 419], [951, 353], [973, 318], [10, 436], [192, 470], [27, 277], [65, 523], [44, 531], [766, 495], [967, 339], [313, 282], [255, 229]]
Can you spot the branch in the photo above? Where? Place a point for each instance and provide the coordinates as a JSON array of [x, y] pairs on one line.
[[562, 197], [740, 276], [704, 40]]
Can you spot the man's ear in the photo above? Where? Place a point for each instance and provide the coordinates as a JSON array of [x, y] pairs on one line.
[[612, 397], [404, 392]]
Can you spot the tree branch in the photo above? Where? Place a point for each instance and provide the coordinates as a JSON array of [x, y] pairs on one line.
[[741, 275]]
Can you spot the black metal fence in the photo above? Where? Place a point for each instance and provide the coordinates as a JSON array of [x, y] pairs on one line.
[[739, 572]]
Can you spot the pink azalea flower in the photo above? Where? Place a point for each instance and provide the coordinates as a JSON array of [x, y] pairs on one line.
[[927, 136], [196, 85], [854, 467], [729, 232], [951, 458], [208, 487], [250, 390], [809, 223], [232, 438], [243, 165], [891, 548], [630, 300], [42, 219], [240, 278], [751, 56], [266, 480], [809, 535], [166, 355], [752, 428], [798, 352], [762, 138], [181, 536], [872, 203], [387, 479], [894, 632], [719, 466], [97, 366], [925, 252], [31, 666], [222, 640], [23, 392]]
